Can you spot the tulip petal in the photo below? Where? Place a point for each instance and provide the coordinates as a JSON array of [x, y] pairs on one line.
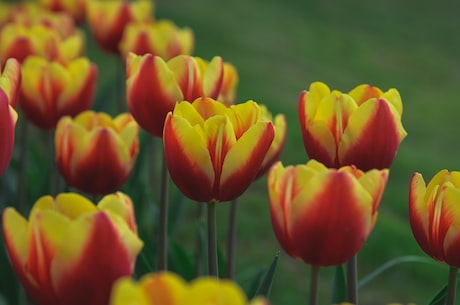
[[364, 92], [186, 73], [126, 292], [450, 226], [317, 212], [418, 210], [213, 78], [152, 91], [92, 242], [164, 288], [187, 149], [238, 172], [210, 291], [363, 142], [8, 118]]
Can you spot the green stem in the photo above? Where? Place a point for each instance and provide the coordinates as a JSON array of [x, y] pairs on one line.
[[314, 283], [163, 219], [54, 175], [231, 240], [120, 83], [212, 240], [199, 240], [352, 280], [452, 286]]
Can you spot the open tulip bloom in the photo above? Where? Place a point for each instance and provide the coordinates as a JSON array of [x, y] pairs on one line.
[[361, 128], [154, 86], [214, 152], [323, 216], [70, 251], [96, 153], [51, 90], [168, 288]]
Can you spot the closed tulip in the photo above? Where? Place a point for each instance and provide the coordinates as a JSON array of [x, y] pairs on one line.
[[323, 216], [434, 216], [169, 288], [161, 38], [10, 80], [108, 20], [214, 152], [51, 90], [154, 86], [70, 251], [96, 153], [362, 128]]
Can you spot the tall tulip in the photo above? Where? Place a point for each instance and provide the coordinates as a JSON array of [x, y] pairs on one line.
[[108, 20], [70, 251], [161, 38], [214, 152], [51, 90], [154, 86], [323, 216], [435, 220], [434, 216], [169, 288], [362, 128], [96, 153], [10, 80]]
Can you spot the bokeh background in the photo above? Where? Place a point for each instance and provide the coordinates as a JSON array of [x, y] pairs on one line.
[[279, 48]]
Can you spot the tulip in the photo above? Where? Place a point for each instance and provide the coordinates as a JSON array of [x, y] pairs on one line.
[[162, 38], [434, 217], [95, 153], [70, 251], [277, 145], [76, 8], [227, 94], [323, 216], [169, 288], [362, 128], [51, 90], [108, 20], [154, 86], [214, 152], [9, 84], [19, 41]]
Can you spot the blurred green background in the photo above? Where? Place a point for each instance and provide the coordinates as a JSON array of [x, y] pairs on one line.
[[279, 48]]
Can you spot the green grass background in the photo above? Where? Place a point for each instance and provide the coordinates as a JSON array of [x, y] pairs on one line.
[[279, 48]]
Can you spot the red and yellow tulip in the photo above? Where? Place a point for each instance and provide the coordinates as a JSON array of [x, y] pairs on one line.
[[362, 128], [229, 85], [96, 153], [10, 80], [169, 288], [323, 216], [161, 38], [276, 148], [51, 90], [154, 86], [108, 20], [75, 8], [435, 216], [214, 152], [70, 251]]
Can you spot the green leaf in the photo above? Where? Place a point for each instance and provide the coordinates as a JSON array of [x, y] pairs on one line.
[[180, 262], [339, 286], [392, 263], [440, 297], [265, 285]]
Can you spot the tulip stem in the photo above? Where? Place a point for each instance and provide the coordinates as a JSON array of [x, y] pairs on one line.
[[163, 219], [212, 240], [452, 286], [314, 278], [120, 83], [352, 280], [231, 240]]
